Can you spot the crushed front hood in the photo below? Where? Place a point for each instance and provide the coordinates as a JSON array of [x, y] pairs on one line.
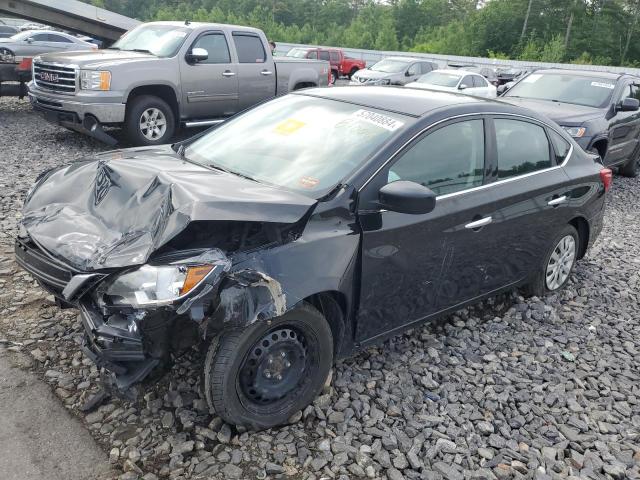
[[116, 209]]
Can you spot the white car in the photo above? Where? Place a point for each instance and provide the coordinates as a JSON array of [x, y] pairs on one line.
[[460, 81]]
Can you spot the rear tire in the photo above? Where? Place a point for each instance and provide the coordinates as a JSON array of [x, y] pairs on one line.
[[632, 167], [555, 269], [334, 77], [149, 121], [258, 377]]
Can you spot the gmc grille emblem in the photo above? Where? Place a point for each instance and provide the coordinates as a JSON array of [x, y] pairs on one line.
[[49, 77]]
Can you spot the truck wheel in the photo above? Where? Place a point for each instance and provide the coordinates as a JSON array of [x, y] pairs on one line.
[[554, 271], [149, 121], [632, 167], [259, 376], [334, 77]]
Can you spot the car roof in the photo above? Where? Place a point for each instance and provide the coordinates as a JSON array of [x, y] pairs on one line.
[[196, 25], [405, 59], [584, 73], [407, 101], [456, 71]]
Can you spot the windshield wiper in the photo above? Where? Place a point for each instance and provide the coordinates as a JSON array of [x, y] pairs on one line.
[[141, 50], [230, 172], [112, 48]]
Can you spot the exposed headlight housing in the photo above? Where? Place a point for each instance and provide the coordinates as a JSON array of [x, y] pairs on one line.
[[154, 285], [95, 80], [575, 132]]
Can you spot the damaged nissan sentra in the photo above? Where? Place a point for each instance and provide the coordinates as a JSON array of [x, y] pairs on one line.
[[304, 230]]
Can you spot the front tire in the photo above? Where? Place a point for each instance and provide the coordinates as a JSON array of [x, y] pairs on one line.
[[258, 377], [554, 271], [149, 121]]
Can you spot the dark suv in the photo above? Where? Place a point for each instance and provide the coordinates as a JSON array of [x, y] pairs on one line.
[[598, 109]]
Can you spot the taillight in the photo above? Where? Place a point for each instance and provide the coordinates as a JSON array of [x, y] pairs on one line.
[[606, 177], [25, 64]]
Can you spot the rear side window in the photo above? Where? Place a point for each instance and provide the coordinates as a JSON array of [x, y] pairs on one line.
[[250, 48], [560, 146], [522, 148], [216, 46], [58, 38], [448, 160], [324, 56]]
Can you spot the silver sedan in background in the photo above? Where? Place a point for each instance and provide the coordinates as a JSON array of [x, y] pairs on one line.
[[34, 42]]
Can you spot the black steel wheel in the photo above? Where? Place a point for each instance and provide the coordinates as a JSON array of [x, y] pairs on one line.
[[259, 376], [632, 167]]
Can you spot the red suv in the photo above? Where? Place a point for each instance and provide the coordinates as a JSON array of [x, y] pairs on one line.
[[341, 65]]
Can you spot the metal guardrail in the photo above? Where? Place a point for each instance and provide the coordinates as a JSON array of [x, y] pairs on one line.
[[71, 15], [373, 56]]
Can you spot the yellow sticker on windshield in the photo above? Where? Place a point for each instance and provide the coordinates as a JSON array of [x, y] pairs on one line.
[[289, 126]]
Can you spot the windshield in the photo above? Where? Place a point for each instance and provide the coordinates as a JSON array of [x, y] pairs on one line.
[[298, 142], [390, 66], [568, 88], [440, 78], [159, 40], [22, 35], [298, 52]]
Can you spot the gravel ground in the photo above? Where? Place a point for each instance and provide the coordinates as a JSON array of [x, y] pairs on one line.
[[538, 388]]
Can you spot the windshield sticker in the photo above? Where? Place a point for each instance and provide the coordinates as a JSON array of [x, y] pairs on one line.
[[532, 78], [382, 121], [309, 182], [289, 127], [610, 86]]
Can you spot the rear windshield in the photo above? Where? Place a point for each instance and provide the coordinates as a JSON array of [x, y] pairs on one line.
[[301, 143], [298, 52], [567, 88], [441, 79]]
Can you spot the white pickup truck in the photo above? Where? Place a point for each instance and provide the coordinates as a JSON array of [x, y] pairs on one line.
[[161, 76]]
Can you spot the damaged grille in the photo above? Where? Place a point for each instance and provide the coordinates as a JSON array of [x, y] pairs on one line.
[[54, 77], [52, 275]]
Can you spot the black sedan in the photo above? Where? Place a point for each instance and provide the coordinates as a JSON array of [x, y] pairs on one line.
[[304, 230]]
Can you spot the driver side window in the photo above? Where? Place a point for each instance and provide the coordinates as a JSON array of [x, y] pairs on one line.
[[414, 69], [448, 160], [216, 46]]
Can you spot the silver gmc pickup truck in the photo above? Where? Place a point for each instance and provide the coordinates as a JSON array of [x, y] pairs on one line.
[[161, 76]]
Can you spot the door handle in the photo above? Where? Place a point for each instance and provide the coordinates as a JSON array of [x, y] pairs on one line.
[[266, 72], [479, 223], [228, 73], [557, 201]]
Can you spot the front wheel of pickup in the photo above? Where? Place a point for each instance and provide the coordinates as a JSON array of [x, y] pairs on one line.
[[149, 121], [259, 376]]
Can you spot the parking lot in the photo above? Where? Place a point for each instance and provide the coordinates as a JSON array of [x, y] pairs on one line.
[[514, 388]]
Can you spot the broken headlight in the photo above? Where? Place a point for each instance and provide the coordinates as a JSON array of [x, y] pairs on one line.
[[154, 285]]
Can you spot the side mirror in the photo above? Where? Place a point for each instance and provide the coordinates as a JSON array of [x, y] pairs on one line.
[[462, 86], [403, 196], [407, 74], [29, 40], [197, 55], [629, 105]]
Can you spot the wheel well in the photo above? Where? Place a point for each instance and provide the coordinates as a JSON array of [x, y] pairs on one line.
[[164, 92], [601, 147], [302, 85], [333, 306], [582, 226]]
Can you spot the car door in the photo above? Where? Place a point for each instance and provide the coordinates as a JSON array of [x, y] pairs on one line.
[[34, 45], [57, 42], [334, 57], [414, 266], [530, 192], [624, 130], [480, 86], [256, 69], [210, 87], [413, 72]]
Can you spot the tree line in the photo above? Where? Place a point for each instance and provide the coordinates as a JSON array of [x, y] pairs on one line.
[[603, 32]]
